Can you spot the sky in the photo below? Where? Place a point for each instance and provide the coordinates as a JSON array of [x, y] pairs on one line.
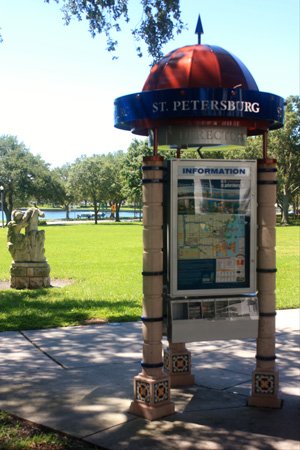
[[58, 84]]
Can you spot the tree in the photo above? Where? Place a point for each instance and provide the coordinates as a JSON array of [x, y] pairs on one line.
[[63, 194], [98, 179], [132, 170], [86, 181], [160, 19], [112, 181], [284, 145], [24, 176]]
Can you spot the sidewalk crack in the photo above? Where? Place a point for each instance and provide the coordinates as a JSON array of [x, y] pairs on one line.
[[42, 351], [108, 428]]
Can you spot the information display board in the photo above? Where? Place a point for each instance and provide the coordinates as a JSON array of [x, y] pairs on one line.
[[212, 229]]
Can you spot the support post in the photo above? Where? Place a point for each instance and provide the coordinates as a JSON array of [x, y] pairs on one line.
[[152, 385], [265, 379], [178, 364]]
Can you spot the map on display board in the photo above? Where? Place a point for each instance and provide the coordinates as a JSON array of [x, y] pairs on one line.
[[213, 226]]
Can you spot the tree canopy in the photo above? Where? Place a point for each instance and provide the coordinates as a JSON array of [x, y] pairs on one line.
[[132, 170], [159, 21], [97, 179], [24, 177], [284, 145]]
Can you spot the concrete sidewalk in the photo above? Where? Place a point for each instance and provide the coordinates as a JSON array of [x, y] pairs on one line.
[[79, 380]]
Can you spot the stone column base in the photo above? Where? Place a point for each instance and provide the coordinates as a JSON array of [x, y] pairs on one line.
[[29, 275], [151, 397], [177, 364], [265, 389]]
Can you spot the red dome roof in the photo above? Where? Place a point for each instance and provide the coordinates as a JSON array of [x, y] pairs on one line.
[[196, 66]]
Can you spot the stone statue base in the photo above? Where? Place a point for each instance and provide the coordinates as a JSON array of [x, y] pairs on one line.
[[30, 275]]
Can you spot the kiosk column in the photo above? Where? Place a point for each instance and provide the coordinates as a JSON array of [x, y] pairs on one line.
[[265, 377], [152, 385]]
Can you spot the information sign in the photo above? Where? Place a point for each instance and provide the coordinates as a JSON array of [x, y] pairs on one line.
[[212, 248]]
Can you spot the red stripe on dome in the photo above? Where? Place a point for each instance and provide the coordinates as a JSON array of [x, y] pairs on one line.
[[196, 66], [234, 72]]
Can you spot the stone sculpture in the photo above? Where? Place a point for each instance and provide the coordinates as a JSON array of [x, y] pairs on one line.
[[29, 268]]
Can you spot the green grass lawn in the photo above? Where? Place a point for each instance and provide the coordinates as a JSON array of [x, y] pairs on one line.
[[20, 434], [288, 267], [104, 263]]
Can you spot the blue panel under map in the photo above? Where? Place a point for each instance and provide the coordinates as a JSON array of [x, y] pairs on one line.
[[196, 274], [201, 274]]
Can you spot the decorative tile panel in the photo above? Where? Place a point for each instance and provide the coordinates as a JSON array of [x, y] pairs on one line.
[[142, 390], [180, 363], [264, 383], [161, 391]]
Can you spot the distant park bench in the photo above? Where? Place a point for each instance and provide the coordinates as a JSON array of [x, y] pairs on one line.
[[91, 216]]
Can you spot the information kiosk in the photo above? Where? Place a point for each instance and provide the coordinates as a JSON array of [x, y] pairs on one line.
[[199, 220], [210, 237]]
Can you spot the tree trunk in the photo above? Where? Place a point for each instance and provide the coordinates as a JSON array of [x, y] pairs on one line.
[[296, 206], [8, 206], [67, 212], [285, 210], [5, 210], [95, 212], [118, 206]]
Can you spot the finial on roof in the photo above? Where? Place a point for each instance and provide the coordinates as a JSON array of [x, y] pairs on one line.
[[199, 29]]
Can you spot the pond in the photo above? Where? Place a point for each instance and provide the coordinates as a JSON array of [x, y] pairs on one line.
[[88, 214]]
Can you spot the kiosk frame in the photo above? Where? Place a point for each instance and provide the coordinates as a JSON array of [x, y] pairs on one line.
[[207, 199]]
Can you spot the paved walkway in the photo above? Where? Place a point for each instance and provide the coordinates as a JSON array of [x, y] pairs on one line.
[[79, 380]]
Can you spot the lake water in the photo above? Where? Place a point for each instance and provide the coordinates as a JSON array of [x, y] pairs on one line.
[[85, 214]]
